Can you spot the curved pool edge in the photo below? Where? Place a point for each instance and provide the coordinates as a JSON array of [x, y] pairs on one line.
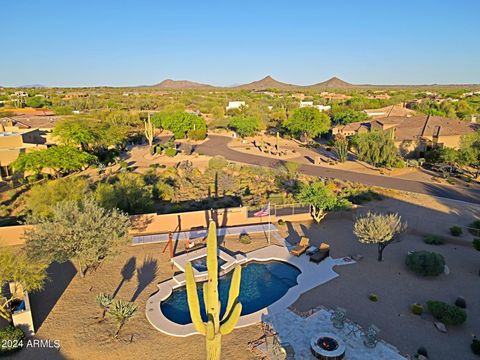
[[311, 275]]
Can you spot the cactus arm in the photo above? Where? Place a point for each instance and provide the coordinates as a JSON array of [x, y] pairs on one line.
[[210, 333], [234, 290], [229, 323], [205, 297], [192, 298]]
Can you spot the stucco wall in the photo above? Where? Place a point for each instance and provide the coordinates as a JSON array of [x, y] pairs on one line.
[[154, 224]]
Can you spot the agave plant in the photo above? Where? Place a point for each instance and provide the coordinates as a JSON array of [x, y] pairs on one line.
[[121, 311], [104, 301]]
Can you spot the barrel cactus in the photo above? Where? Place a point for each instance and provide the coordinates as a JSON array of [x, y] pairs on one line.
[[215, 327]]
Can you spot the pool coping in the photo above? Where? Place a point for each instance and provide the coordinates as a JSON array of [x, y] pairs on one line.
[[311, 276]]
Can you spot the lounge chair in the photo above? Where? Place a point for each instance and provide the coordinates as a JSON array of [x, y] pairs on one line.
[[301, 247], [322, 253]]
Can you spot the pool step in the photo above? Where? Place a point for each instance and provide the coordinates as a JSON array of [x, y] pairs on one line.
[[179, 279]]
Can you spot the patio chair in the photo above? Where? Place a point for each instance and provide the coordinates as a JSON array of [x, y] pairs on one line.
[[302, 246], [322, 253]]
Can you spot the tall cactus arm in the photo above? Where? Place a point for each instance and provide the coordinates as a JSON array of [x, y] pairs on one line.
[[205, 297], [192, 298], [229, 323], [210, 326], [234, 290]]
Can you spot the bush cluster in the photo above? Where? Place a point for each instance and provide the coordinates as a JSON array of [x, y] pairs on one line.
[[446, 313], [416, 309], [475, 346], [11, 339], [434, 240], [476, 244], [425, 263], [245, 239], [456, 230], [474, 228], [373, 297]]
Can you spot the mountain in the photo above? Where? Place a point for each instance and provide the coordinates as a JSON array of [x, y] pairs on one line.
[[31, 86], [180, 84], [333, 83], [266, 83]]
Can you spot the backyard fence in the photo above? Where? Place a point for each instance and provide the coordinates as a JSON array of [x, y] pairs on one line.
[[282, 210]]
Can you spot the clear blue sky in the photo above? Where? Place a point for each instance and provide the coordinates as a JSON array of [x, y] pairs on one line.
[[103, 42]]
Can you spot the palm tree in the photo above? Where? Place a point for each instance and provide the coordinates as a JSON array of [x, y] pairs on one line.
[[121, 311], [104, 301]]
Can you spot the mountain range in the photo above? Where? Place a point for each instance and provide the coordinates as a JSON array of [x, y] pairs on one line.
[[267, 82]]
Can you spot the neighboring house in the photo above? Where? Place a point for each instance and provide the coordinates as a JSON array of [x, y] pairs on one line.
[[334, 96], [12, 144], [392, 110], [232, 105], [416, 134], [22, 134], [310, 104]]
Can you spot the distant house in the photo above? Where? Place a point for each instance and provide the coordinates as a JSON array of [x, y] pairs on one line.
[[232, 105], [310, 104], [392, 110], [334, 96], [416, 134]]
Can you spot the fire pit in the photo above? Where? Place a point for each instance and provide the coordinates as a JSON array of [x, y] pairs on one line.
[[327, 346]]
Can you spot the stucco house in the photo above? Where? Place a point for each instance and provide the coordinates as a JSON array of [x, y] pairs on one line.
[[232, 105], [310, 104], [416, 134]]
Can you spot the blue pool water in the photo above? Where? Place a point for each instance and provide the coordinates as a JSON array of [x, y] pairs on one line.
[[201, 263], [262, 284]]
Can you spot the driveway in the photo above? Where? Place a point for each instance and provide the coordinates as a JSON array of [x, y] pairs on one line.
[[217, 145]]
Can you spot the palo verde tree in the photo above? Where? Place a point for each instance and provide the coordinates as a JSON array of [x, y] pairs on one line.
[[215, 326], [244, 125], [17, 268], [82, 232], [320, 198], [307, 122], [181, 124], [380, 229]]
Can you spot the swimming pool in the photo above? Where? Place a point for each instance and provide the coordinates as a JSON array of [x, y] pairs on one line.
[[201, 263], [262, 284]]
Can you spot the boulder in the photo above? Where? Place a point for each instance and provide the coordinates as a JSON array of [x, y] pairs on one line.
[[440, 326]]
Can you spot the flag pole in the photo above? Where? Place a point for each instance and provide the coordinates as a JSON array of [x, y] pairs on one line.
[[269, 230]]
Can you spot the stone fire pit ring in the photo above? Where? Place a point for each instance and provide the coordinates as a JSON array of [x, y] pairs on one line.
[[336, 350]]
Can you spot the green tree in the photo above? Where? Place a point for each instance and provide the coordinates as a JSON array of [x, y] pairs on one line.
[[348, 116], [121, 311], [181, 124], [469, 152], [320, 198], [42, 198], [127, 193], [376, 148], [82, 232], [341, 145], [379, 229], [16, 267], [60, 159], [307, 122], [244, 125]]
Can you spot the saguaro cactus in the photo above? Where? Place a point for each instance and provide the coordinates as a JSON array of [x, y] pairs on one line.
[[149, 130], [214, 328]]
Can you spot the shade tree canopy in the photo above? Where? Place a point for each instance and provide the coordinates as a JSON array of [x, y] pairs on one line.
[[307, 122]]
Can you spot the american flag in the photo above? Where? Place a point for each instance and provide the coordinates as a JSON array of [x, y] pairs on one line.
[[264, 212]]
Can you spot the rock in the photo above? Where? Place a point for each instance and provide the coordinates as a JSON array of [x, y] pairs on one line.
[[460, 302], [446, 270], [421, 357], [440, 326], [422, 351]]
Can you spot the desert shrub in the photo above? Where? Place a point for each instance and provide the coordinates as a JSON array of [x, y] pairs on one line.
[[123, 164], [456, 230], [199, 134], [434, 240], [475, 346], [416, 309], [446, 313], [476, 244], [281, 222], [245, 239], [11, 339], [217, 163], [474, 228], [170, 152], [373, 297], [425, 263], [422, 351]]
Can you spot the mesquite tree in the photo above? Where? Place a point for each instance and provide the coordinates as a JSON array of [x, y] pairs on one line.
[[320, 198], [380, 229], [82, 232]]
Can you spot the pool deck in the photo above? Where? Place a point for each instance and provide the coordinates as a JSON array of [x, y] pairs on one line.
[[312, 275]]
